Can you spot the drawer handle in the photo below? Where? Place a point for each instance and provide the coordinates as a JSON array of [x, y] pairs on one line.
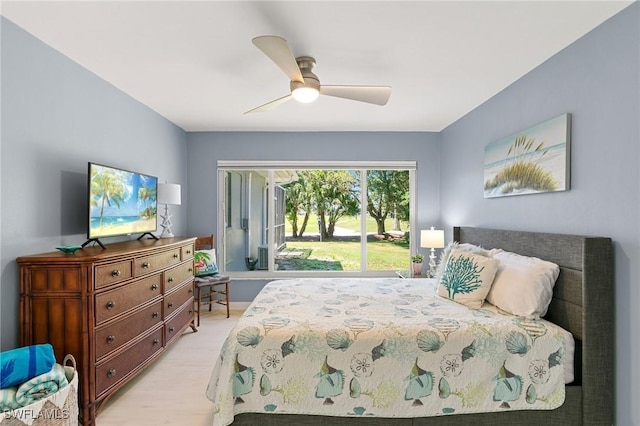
[[115, 273], [146, 265], [111, 304], [188, 251], [190, 290], [190, 312], [154, 287], [190, 269], [170, 305], [170, 279], [111, 338], [154, 315], [175, 256], [156, 341], [111, 373], [171, 329]]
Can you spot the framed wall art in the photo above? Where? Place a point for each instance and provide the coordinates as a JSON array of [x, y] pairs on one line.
[[531, 161]]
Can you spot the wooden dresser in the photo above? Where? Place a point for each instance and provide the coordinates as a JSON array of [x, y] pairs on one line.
[[115, 309]]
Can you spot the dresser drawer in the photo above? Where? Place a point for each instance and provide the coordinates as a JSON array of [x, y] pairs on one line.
[[117, 368], [113, 273], [187, 251], [147, 264], [174, 327], [177, 298], [177, 275], [114, 302], [115, 335]]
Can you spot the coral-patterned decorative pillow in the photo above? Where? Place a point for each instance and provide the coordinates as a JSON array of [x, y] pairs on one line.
[[467, 278]]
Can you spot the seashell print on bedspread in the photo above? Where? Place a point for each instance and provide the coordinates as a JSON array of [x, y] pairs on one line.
[[382, 347]]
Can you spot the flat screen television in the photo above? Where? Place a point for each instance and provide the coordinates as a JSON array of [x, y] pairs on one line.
[[121, 202]]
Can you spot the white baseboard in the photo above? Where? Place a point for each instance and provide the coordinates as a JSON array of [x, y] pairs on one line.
[[239, 305]]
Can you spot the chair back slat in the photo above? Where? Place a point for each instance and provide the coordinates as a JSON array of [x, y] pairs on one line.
[[204, 243]]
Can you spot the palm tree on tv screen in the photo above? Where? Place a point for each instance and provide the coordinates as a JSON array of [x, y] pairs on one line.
[[107, 188], [146, 194]]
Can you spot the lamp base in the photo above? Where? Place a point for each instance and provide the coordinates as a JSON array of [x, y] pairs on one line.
[[166, 224], [432, 264]]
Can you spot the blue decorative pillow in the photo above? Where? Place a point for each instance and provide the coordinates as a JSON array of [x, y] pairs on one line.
[[22, 364], [205, 262]]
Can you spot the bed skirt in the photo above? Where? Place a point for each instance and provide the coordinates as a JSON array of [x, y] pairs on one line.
[[569, 414]]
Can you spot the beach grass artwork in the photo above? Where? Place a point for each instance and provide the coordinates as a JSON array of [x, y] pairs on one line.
[[532, 161]]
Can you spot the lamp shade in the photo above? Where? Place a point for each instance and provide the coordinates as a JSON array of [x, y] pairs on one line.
[[432, 238], [169, 193]]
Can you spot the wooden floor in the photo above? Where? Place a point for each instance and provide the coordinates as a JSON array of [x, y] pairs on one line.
[[172, 390]]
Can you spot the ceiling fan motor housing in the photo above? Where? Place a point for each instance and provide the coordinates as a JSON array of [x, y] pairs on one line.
[[306, 63]]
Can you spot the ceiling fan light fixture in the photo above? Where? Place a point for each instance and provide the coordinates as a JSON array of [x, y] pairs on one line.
[[305, 94]]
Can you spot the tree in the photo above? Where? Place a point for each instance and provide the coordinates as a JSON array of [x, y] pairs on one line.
[[107, 188], [388, 193], [146, 194], [298, 198], [334, 196]]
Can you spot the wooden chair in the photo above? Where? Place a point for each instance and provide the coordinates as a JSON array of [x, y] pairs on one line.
[[217, 285]]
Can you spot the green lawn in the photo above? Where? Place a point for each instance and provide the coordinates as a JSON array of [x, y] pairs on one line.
[[348, 222], [344, 254]]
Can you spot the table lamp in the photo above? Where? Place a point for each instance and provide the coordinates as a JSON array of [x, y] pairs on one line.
[[168, 193], [432, 239]]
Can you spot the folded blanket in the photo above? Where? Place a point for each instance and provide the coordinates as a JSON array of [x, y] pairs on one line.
[[21, 364], [41, 386], [8, 399]]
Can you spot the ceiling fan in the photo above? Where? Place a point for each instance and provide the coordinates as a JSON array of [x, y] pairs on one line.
[[305, 86]]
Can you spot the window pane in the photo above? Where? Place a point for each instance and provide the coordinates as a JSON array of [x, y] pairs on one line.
[[238, 220], [318, 219], [388, 208], [323, 225]]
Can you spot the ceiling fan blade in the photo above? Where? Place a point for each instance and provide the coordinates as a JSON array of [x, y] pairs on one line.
[[378, 95], [270, 105], [277, 49]]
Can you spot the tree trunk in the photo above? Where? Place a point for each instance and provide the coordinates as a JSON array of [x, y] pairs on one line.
[[304, 224], [331, 229], [380, 223], [396, 220], [294, 227]]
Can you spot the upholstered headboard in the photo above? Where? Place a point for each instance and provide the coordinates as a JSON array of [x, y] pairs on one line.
[[582, 302]]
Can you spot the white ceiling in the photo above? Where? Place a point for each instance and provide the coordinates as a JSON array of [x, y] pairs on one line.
[[194, 63]]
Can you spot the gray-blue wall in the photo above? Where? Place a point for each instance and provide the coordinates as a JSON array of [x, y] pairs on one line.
[[205, 148], [597, 80], [56, 117]]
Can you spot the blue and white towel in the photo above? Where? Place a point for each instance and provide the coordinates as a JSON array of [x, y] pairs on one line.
[[22, 364], [42, 386], [8, 399]]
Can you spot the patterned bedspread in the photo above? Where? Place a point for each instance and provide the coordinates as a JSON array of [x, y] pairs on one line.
[[382, 347]]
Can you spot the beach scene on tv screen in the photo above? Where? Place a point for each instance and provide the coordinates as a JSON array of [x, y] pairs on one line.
[[121, 202]]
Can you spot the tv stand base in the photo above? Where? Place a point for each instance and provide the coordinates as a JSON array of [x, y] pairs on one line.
[[151, 236], [95, 240]]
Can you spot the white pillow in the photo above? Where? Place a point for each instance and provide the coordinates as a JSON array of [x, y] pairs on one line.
[[467, 278], [523, 285]]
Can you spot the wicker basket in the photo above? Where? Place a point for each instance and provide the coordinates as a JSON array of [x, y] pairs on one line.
[[58, 409]]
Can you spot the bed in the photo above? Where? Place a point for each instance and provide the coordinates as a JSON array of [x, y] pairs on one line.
[[582, 304]]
